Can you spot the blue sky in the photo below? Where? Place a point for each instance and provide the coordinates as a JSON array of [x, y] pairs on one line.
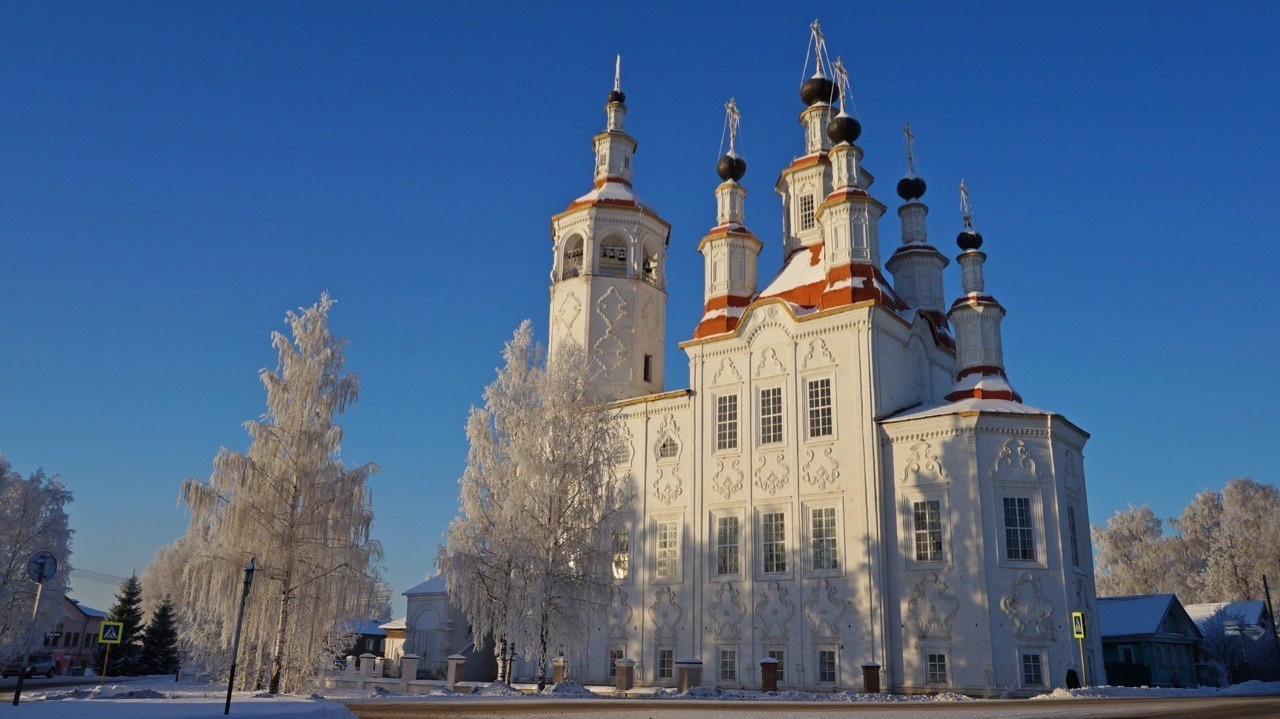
[[174, 176]]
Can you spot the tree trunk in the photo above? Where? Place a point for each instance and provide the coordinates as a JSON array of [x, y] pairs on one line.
[[277, 659], [542, 654]]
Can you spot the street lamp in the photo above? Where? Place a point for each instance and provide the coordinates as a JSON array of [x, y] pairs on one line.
[[249, 569]]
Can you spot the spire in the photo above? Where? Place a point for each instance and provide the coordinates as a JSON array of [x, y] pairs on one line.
[[917, 265], [617, 108], [731, 166], [980, 372], [818, 88], [843, 128]]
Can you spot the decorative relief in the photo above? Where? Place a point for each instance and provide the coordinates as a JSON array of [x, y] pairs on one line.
[[1028, 610], [728, 479], [1073, 466], [649, 319], [821, 469], [923, 466], [665, 613], [570, 308], [623, 453], [824, 608], [774, 611], [619, 615], [727, 611], [667, 489], [933, 606], [818, 354], [668, 432], [771, 479], [610, 352], [769, 364], [1016, 463], [727, 373], [612, 307]]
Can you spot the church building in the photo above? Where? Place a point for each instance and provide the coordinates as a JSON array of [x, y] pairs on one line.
[[849, 481]]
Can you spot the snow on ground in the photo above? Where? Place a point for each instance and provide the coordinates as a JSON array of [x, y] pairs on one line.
[[162, 698], [1253, 688]]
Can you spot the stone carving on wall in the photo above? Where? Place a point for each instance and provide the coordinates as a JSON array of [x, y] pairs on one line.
[[727, 611], [619, 615], [774, 611], [570, 308], [820, 468], [1016, 463], [771, 478], [932, 606], [666, 488], [668, 430], [818, 354], [649, 318], [622, 455], [1073, 466], [665, 613], [923, 466], [727, 373], [1028, 609], [728, 479], [610, 352], [825, 608], [769, 364]]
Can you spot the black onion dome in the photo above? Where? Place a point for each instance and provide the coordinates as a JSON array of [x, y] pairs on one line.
[[969, 239], [911, 188], [819, 89], [617, 96], [731, 167], [843, 128]]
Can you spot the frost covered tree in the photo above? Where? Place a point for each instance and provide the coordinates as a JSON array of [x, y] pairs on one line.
[[125, 658], [290, 502], [33, 518], [530, 558], [1132, 553], [162, 579]]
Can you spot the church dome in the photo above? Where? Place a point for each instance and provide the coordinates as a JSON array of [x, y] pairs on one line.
[[819, 89], [843, 128], [617, 96], [969, 239], [911, 188], [731, 167]]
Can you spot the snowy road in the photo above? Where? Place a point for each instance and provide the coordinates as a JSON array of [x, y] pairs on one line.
[[1215, 708]]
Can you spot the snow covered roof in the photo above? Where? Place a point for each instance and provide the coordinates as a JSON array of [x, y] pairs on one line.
[[367, 627], [401, 623], [1250, 612], [89, 611], [1140, 614], [434, 585], [612, 192], [998, 406]]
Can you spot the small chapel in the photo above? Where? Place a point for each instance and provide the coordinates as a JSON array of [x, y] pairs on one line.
[[849, 486]]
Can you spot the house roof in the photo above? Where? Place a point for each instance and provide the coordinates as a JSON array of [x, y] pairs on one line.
[[401, 623], [1136, 615], [434, 585], [367, 627], [997, 406], [88, 611], [1250, 612]]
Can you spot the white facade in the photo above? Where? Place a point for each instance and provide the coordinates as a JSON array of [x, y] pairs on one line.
[[827, 491]]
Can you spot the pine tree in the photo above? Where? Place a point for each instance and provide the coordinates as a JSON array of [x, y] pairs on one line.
[[160, 641], [125, 656]]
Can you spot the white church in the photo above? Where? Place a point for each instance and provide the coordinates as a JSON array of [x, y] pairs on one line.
[[849, 479]]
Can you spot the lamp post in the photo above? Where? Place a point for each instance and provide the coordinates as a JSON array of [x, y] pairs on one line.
[[235, 645]]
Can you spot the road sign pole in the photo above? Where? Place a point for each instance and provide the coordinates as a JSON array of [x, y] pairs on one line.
[[26, 651], [1084, 672], [106, 659]]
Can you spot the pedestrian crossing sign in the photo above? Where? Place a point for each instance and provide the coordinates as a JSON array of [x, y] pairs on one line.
[[111, 632], [1077, 625]]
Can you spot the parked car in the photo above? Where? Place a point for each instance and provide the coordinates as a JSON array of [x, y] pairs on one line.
[[37, 665]]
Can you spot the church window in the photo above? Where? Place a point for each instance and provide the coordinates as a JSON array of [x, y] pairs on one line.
[[1075, 538], [613, 258], [937, 666], [572, 258], [621, 546], [728, 665], [727, 422], [666, 663], [648, 368], [728, 539], [668, 549], [928, 530], [806, 212], [820, 407], [668, 449], [771, 415], [1019, 537], [826, 666], [774, 538], [780, 656], [1032, 669], [823, 538], [649, 266], [615, 654]]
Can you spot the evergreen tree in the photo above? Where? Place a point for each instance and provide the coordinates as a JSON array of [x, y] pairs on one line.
[[160, 641], [125, 656]]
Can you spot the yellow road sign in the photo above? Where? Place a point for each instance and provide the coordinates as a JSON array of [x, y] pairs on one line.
[[111, 632], [1077, 625]]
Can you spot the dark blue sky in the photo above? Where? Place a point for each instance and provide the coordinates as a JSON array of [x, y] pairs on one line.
[[174, 176]]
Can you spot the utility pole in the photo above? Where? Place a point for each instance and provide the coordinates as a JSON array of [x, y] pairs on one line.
[[235, 645]]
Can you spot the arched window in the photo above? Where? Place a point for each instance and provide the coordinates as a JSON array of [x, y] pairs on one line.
[[649, 264], [572, 263], [668, 449], [613, 257]]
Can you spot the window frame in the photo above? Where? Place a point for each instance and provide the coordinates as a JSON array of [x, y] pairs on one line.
[[1029, 528], [818, 661], [1042, 664], [762, 514], [714, 545], [928, 532], [808, 507], [781, 658], [806, 216], [658, 521], [1073, 537], [716, 422], [928, 664], [781, 415], [932, 493], [720, 665], [626, 533], [613, 664], [658, 650], [829, 378]]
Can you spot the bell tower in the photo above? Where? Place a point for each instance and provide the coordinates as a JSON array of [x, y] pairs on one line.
[[608, 276]]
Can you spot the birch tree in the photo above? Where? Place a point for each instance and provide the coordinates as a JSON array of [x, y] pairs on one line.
[[33, 518], [530, 557], [290, 502]]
